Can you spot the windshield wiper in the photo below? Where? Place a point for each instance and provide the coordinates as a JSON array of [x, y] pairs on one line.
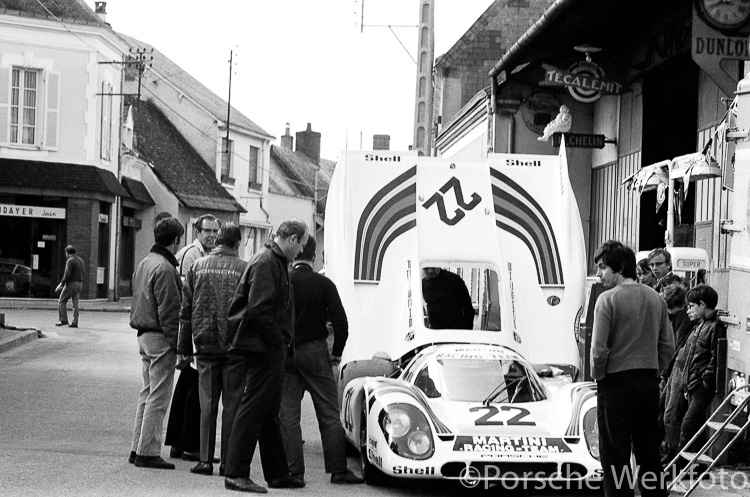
[[501, 388]]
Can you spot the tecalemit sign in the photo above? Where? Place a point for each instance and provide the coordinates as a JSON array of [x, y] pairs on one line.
[[32, 211], [584, 80]]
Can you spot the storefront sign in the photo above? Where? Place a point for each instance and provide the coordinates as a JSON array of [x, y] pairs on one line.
[[103, 218], [578, 140], [584, 80], [715, 52], [538, 110], [131, 222], [49, 238], [31, 211]]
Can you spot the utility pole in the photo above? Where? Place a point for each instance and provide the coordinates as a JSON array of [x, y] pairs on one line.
[[229, 105], [424, 101], [139, 58]]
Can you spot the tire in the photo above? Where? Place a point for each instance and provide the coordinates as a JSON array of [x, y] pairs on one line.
[[372, 475]]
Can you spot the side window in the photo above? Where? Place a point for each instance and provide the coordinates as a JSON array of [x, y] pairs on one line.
[[428, 383], [254, 182]]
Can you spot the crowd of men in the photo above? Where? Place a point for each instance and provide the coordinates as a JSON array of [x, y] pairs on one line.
[[654, 358], [232, 329]]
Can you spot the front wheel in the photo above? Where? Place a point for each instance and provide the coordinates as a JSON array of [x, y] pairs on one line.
[[372, 475]]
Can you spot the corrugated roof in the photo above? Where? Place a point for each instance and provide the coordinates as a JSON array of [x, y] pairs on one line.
[[195, 89], [176, 162], [58, 176], [72, 11], [301, 173]]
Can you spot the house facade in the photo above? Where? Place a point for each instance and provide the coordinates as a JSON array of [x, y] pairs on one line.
[[59, 138]]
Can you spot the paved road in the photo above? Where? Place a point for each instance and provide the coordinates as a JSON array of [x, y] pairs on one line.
[[66, 410]]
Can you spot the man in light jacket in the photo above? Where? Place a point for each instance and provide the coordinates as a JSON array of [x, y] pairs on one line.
[[155, 313]]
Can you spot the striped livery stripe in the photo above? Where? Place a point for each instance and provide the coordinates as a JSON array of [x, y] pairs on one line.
[[521, 216], [391, 212], [578, 396]]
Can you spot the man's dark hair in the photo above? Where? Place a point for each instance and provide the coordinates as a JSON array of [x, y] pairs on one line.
[[643, 264], [205, 217], [620, 258], [228, 235], [167, 230], [308, 253], [291, 227], [162, 215], [705, 294], [674, 294], [70, 249], [671, 279], [661, 251]]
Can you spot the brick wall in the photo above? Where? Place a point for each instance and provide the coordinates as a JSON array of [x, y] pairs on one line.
[[83, 234]]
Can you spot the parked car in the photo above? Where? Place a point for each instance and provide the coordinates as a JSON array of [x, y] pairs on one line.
[[15, 279]]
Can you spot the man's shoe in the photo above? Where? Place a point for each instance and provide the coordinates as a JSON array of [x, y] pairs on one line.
[[175, 452], [286, 482], [243, 485], [61, 323], [155, 462], [221, 469], [73, 325], [190, 456], [131, 458], [203, 468], [346, 477]]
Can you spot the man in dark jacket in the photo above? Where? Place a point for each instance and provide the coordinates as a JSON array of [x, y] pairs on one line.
[[154, 312], [261, 329], [316, 301], [698, 358], [209, 285], [70, 287], [448, 300]]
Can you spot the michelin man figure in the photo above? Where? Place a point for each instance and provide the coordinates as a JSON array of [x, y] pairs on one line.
[[560, 124]]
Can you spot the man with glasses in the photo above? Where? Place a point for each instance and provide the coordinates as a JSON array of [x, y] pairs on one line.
[[660, 262], [183, 428]]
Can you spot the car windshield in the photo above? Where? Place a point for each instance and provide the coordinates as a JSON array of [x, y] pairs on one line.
[[479, 380]]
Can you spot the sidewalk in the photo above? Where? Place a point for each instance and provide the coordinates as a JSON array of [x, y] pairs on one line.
[[12, 336]]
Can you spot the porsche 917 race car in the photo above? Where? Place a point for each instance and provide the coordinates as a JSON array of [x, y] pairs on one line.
[[473, 413]]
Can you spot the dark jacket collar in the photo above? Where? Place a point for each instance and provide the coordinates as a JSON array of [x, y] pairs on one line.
[[162, 251], [223, 250], [274, 247], [302, 265]]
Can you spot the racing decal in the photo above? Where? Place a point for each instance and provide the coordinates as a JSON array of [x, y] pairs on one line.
[[520, 215], [478, 353], [437, 199], [479, 443], [390, 212], [405, 470], [492, 411], [386, 388], [578, 396]]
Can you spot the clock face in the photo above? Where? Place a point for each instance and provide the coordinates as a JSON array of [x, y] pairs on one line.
[[725, 14]]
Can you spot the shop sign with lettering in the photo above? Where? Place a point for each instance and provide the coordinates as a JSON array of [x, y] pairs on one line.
[[32, 211], [710, 48], [578, 140], [584, 80]]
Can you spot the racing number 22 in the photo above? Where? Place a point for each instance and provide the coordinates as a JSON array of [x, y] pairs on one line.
[[492, 411]]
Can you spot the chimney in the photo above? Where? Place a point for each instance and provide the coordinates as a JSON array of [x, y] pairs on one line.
[[308, 143], [381, 142], [100, 8], [287, 141]]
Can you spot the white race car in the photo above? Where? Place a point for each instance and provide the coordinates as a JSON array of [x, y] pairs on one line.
[[474, 413]]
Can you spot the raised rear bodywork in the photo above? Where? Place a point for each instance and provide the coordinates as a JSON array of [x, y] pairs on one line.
[[510, 228]]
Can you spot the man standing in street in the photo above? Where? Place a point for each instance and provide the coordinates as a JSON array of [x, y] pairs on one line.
[[70, 287], [209, 286], [155, 313], [316, 301], [631, 344], [261, 327], [183, 425]]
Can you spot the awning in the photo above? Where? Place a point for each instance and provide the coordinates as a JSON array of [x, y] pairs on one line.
[[55, 178], [137, 191]]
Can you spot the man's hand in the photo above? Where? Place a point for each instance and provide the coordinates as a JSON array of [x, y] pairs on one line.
[[183, 361], [59, 288], [335, 360]]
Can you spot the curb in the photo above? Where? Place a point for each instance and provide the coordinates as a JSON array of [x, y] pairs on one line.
[[17, 339]]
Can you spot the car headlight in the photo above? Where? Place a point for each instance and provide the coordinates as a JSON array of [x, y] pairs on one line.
[[591, 432], [407, 431]]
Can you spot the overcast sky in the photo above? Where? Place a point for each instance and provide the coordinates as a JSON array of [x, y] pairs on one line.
[[302, 61]]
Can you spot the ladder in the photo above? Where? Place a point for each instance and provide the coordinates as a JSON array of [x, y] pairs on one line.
[[719, 427]]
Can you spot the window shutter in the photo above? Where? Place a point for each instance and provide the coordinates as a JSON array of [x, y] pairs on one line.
[[4, 104], [52, 111]]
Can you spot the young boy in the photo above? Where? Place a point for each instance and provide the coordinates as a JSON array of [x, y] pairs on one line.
[[700, 362]]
